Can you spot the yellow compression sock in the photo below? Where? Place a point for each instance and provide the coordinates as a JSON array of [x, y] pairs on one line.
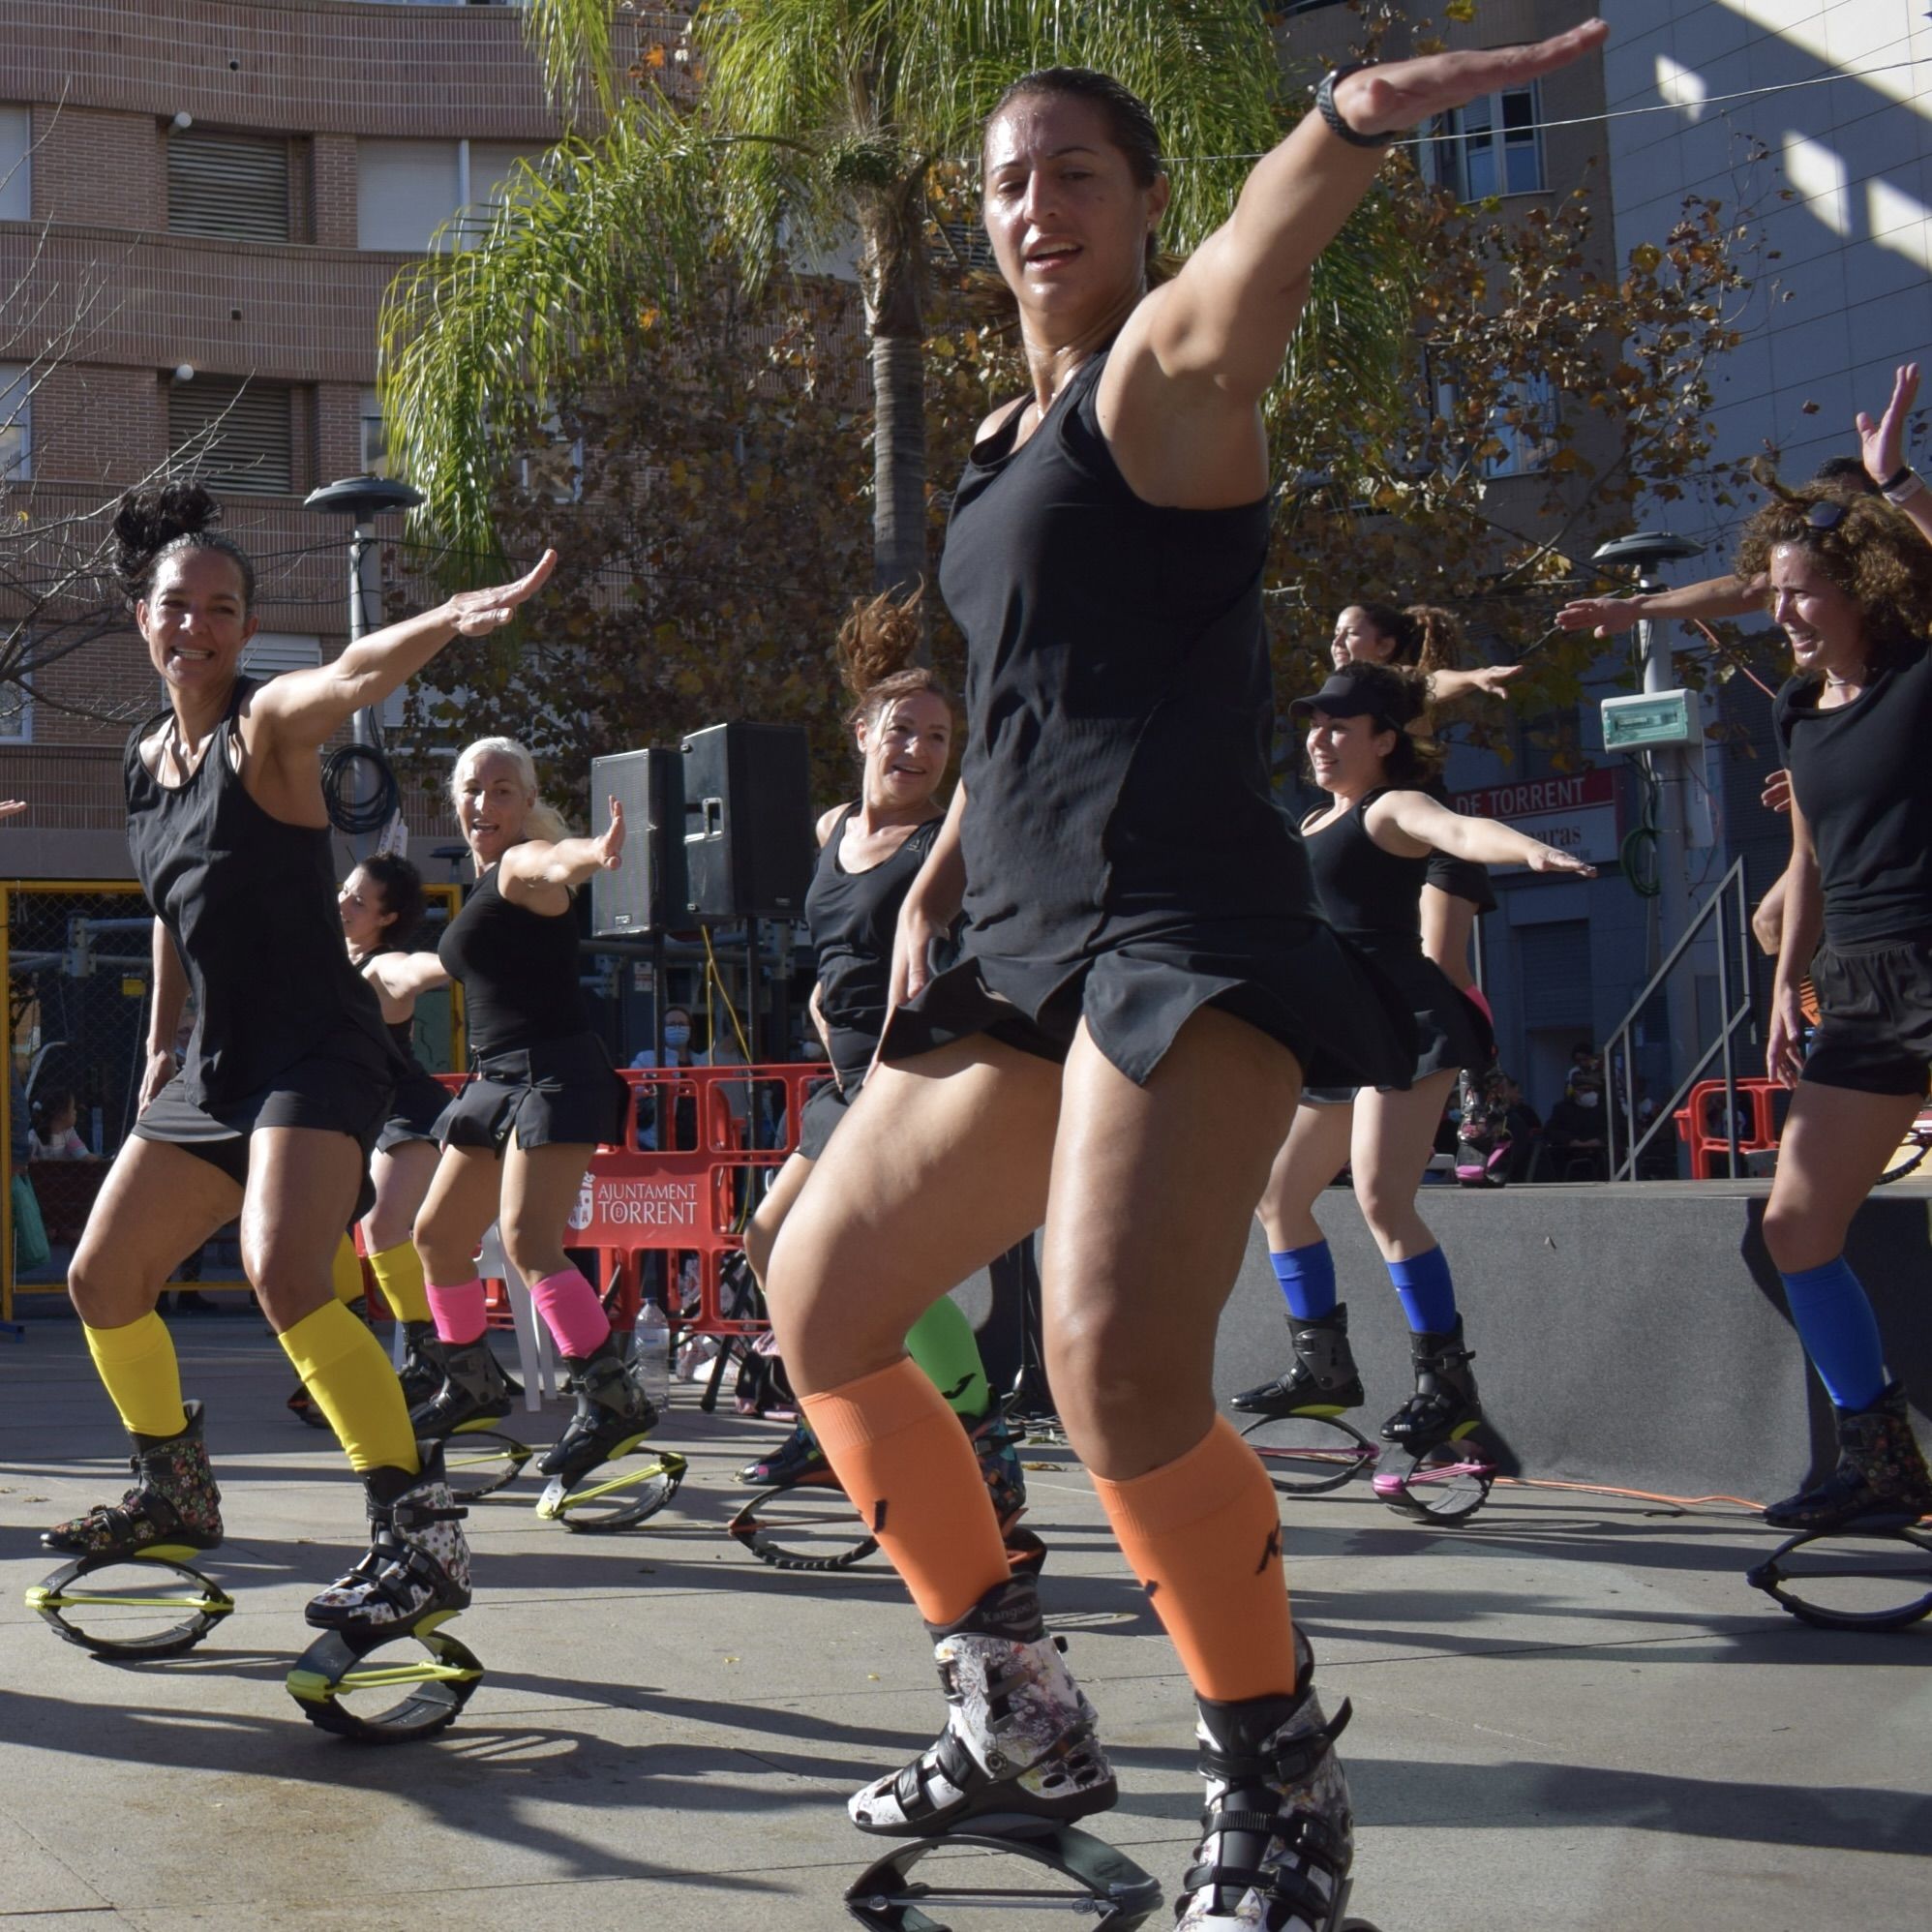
[[399, 1274], [137, 1365], [345, 1271], [343, 1366]]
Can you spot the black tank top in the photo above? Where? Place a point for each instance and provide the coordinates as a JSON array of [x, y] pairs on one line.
[[250, 901], [518, 969], [402, 1031], [1372, 895], [853, 917], [1119, 706]]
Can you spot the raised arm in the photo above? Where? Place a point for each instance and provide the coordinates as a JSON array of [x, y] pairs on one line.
[[303, 708], [1222, 325], [1428, 827], [168, 1000], [1716, 597], [537, 872], [1492, 680], [1882, 444]]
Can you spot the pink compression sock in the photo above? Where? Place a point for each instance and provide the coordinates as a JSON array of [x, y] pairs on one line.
[[1480, 999], [569, 1305], [462, 1311]]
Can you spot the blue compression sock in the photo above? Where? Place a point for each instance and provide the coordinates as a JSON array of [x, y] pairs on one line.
[[1840, 1333], [1307, 1276], [1427, 1294]]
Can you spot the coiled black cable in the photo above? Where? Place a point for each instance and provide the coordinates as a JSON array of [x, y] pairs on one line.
[[369, 815]]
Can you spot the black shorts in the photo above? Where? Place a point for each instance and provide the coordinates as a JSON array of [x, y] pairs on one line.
[[1461, 878], [419, 1104], [827, 1107], [334, 1096], [1875, 1016], [563, 1093]]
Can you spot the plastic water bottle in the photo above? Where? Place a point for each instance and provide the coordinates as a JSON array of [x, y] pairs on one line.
[[650, 1355]]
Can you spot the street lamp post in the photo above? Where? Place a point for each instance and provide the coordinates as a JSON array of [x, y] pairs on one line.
[[1668, 768], [362, 500]]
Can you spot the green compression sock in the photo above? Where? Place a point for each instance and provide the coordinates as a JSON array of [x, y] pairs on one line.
[[943, 1344]]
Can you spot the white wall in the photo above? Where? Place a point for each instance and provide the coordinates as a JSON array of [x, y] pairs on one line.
[[1851, 295]]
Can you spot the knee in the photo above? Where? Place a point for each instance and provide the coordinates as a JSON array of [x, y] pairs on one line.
[[442, 1244], [532, 1250], [1099, 1365], [758, 1242], [96, 1289], [1796, 1239], [1389, 1210]]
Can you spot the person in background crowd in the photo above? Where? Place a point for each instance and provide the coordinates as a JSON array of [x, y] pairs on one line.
[[59, 1139], [1575, 1132]]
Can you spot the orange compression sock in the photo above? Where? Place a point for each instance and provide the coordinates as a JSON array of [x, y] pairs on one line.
[[1204, 1536], [911, 1473]]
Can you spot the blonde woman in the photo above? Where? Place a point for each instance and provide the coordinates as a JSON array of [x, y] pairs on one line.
[[517, 1138]]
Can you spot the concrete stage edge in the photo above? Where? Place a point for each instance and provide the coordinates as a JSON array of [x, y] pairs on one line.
[[1632, 1336]]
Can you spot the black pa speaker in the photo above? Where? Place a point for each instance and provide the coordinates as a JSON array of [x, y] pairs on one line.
[[747, 822], [647, 892]]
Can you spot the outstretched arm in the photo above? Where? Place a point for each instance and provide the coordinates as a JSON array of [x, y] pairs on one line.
[[1491, 679], [1716, 597], [399, 978], [1429, 827], [545, 865], [1882, 444], [1223, 322], [307, 708]]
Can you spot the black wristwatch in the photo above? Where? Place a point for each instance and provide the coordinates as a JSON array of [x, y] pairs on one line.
[[1324, 105]]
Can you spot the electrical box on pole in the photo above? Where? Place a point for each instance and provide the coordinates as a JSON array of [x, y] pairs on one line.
[[1649, 718]]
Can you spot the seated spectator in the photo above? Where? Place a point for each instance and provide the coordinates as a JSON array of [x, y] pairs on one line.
[[1523, 1127], [1574, 1133], [53, 1136]]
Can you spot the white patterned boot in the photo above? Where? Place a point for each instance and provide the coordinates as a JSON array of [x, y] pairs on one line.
[[1018, 1737], [417, 1560]]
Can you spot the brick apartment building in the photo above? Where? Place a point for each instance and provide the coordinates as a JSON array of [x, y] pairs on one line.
[[220, 192]]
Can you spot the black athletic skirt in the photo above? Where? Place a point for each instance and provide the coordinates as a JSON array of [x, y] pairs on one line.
[[419, 1104], [1297, 982], [1451, 1029], [335, 1095], [561, 1093], [1461, 878], [1875, 1016]]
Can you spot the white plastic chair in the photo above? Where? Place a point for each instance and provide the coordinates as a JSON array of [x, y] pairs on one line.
[[535, 1363]]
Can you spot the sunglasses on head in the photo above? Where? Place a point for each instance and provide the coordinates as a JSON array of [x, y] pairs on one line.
[[1826, 514]]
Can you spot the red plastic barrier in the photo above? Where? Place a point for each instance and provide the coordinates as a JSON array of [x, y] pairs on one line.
[[1710, 1146], [690, 1197]]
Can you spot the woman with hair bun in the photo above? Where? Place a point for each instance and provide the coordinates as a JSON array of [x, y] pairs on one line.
[[1144, 984], [288, 1073], [869, 854], [542, 1098], [1851, 583]]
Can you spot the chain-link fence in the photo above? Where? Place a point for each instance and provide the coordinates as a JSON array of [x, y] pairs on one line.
[[76, 957]]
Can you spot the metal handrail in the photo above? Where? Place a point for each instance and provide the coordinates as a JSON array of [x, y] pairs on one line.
[[1732, 1017]]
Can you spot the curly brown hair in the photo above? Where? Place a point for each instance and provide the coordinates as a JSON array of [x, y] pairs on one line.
[[877, 643], [1872, 551], [1426, 637]]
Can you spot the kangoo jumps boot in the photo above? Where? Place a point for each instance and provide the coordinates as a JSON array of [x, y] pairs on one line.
[[612, 1414], [1278, 1838], [1322, 1379], [1445, 1405], [424, 1363], [474, 1389], [174, 1500], [1018, 1737], [1880, 1472], [417, 1560]]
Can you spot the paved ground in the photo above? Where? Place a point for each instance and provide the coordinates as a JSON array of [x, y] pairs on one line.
[[1573, 1714]]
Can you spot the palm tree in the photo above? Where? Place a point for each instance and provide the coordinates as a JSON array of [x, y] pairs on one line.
[[811, 124]]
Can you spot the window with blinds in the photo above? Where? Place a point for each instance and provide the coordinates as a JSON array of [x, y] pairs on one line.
[[235, 186], [234, 435]]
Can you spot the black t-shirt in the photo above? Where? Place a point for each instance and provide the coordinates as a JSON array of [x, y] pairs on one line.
[[1860, 777]]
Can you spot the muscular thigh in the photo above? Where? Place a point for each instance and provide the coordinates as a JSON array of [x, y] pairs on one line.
[[462, 1203], [941, 1165], [1153, 1191], [157, 1206]]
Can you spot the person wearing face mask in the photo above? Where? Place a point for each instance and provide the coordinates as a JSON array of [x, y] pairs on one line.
[[1370, 852], [542, 1098], [1575, 1131], [1851, 583], [869, 854], [288, 1073]]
